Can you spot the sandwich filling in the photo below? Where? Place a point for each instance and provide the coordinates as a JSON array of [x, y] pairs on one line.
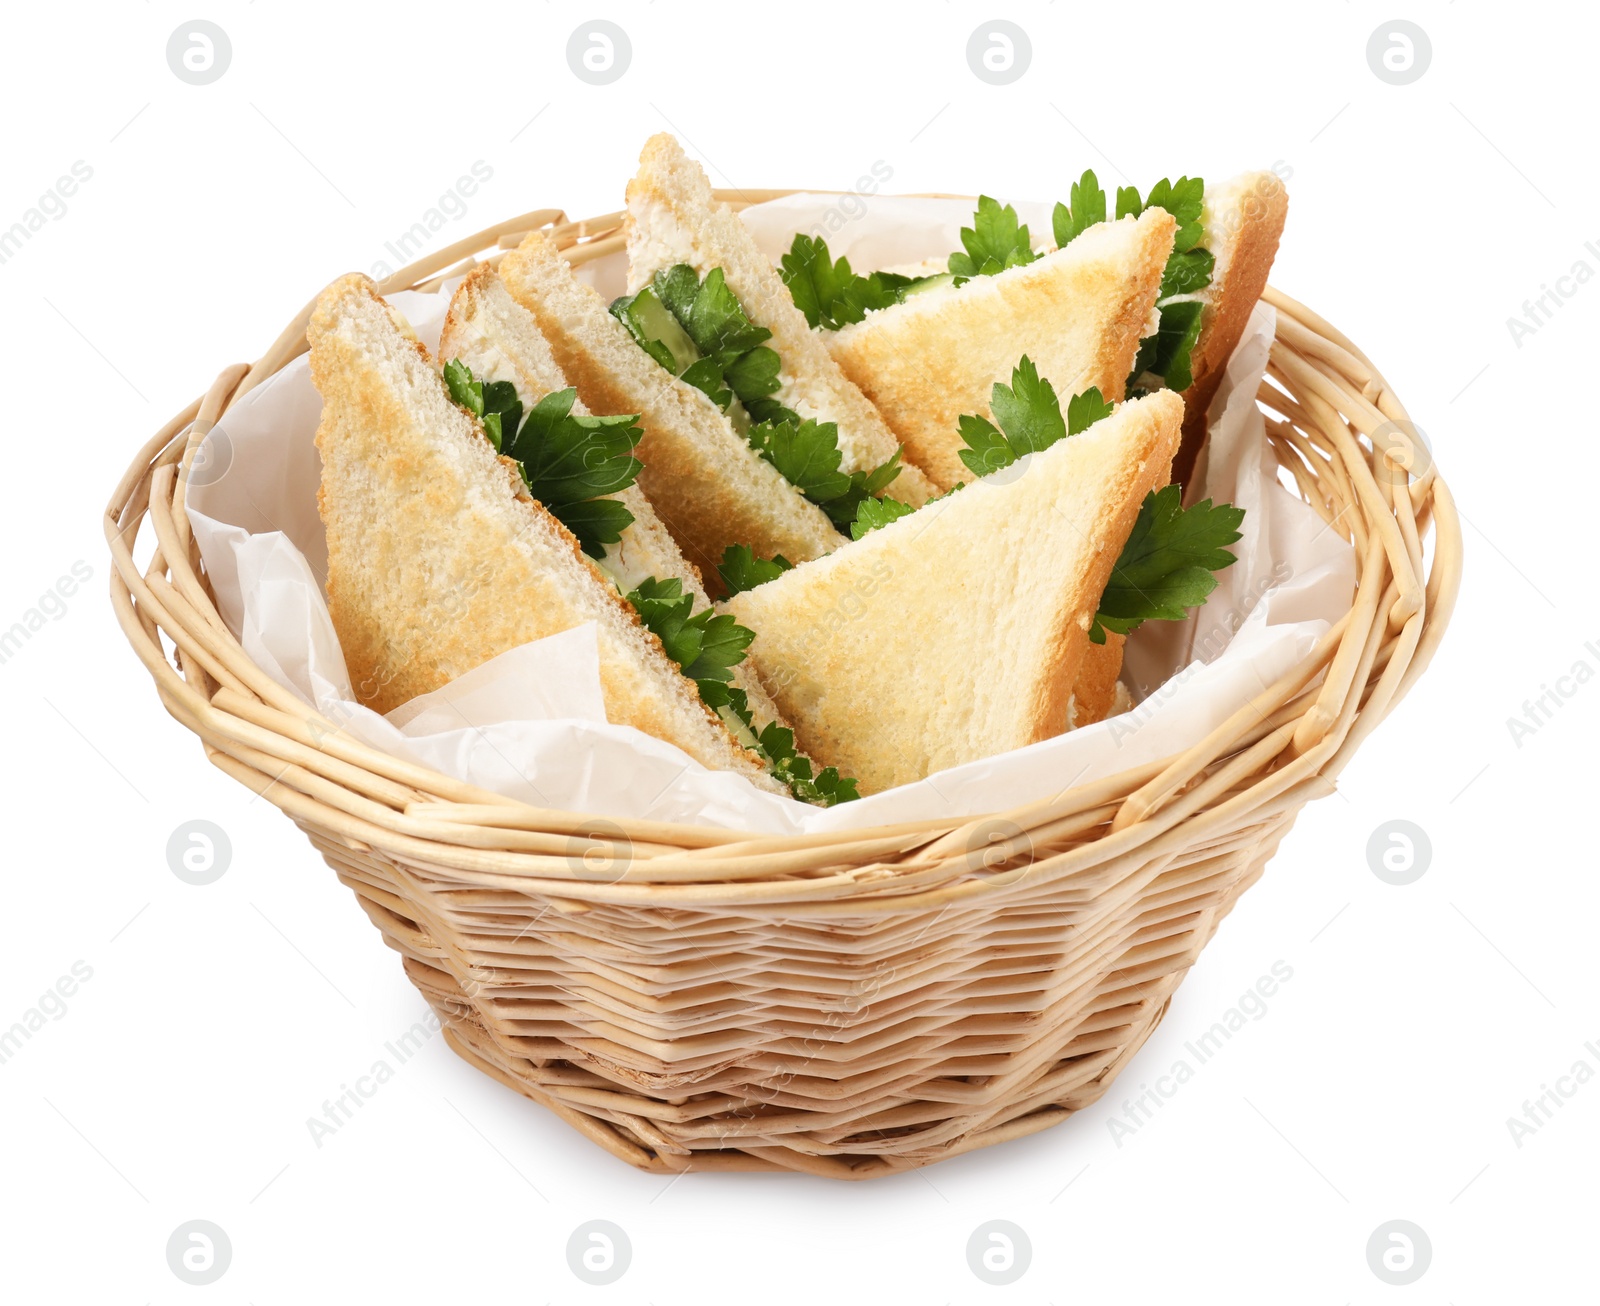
[[572, 463], [697, 330]]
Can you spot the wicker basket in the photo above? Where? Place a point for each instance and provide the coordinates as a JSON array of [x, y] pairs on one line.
[[848, 1004]]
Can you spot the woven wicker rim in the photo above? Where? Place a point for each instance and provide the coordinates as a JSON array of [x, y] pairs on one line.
[[1324, 400]]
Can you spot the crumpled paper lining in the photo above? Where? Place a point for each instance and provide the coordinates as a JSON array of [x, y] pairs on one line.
[[530, 724]]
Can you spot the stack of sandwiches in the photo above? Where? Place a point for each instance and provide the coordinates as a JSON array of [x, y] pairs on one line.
[[835, 531]]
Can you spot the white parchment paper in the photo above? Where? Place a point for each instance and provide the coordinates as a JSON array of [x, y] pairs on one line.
[[531, 724]]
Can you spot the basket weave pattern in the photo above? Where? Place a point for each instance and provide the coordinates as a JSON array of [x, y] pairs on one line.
[[847, 1004]]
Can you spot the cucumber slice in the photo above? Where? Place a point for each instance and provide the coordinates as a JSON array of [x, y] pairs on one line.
[[651, 323], [922, 285]]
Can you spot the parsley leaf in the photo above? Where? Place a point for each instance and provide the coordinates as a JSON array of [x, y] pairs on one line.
[[571, 463], [1088, 208], [706, 376], [1084, 410], [741, 570], [874, 513], [1168, 352], [1167, 565], [806, 453], [698, 331], [1029, 417], [1185, 200], [1028, 411], [753, 374], [993, 243], [828, 292], [1186, 273], [715, 320], [705, 645], [828, 787]]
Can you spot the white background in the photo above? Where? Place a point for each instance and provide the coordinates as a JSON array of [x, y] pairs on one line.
[[177, 1083]]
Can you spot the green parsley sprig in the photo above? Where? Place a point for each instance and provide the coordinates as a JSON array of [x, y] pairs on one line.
[[741, 570], [1029, 419], [1169, 562], [828, 292], [698, 331], [993, 243], [1189, 267], [874, 513], [1167, 565], [570, 462], [807, 455]]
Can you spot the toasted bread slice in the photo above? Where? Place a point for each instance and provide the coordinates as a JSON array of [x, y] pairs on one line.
[[438, 560], [499, 340], [707, 484], [1243, 220], [1079, 313], [959, 631], [672, 218]]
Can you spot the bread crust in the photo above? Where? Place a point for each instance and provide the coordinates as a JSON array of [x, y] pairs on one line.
[[1078, 313], [1249, 212]]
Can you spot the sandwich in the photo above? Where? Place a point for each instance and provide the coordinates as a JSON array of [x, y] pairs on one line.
[[728, 325], [467, 515], [1156, 296], [962, 629]]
